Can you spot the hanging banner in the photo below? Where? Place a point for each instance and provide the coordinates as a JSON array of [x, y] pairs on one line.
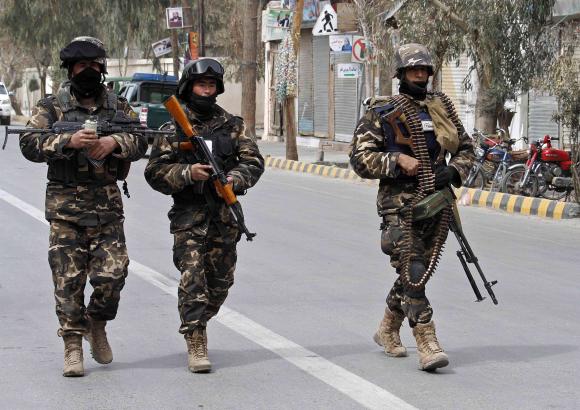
[[193, 42], [340, 43], [162, 47], [174, 17]]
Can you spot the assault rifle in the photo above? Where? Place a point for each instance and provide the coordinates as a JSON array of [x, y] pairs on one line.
[[120, 123], [197, 143]]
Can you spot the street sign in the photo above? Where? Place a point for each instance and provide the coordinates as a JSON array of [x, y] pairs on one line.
[[360, 49], [348, 70], [327, 22]]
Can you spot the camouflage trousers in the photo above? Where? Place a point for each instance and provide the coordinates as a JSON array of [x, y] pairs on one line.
[[77, 253], [207, 264], [410, 302]]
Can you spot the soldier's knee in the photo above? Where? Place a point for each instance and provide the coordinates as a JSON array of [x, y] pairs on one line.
[[390, 238]]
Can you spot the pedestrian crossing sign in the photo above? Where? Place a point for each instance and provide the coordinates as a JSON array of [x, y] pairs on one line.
[[327, 22]]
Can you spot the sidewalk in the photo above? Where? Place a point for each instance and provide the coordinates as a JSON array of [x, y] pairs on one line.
[[305, 154]]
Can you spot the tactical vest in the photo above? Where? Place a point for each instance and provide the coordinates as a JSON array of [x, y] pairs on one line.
[[78, 170], [224, 150], [390, 143]]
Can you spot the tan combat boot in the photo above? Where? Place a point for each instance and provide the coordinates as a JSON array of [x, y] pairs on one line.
[[197, 359], [431, 355], [97, 337], [73, 356], [388, 334]]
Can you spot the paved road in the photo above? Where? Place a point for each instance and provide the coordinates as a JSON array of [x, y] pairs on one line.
[[297, 330]]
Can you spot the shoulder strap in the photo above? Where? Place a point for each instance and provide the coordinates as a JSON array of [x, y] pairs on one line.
[[48, 104]]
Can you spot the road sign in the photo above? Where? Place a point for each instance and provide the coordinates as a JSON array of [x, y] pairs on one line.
[[327, 22], [360, 49]]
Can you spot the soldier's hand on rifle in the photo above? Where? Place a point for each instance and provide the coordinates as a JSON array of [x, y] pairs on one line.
[[83, 138], [408, 164], [200, 172], [102, 147]]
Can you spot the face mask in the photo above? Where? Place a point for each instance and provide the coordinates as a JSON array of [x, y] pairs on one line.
[[87, 82], [416, 90], [202, 105]]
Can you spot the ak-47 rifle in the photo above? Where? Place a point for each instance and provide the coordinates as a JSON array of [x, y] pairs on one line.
[[197, 143], [120, 123]]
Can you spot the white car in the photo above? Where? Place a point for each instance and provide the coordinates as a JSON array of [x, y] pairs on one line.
[[5, 106]]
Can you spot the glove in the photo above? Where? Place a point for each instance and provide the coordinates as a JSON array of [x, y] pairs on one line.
[[446, 175]]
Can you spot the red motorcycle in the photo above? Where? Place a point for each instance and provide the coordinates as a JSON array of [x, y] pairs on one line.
[[547, 172]]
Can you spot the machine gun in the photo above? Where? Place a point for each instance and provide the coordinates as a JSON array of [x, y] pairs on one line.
[[197, 143], [120, 123], [431, 206], [466, 255]]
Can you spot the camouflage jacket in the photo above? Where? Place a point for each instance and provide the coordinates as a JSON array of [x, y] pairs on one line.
[[92, 200], [370, 158], [196, 202]]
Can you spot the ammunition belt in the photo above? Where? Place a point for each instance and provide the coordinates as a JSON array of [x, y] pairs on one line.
[[426, 186]]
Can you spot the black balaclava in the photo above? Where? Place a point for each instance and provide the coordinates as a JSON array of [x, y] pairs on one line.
[[417, 90], [87, 83], [203, 107]]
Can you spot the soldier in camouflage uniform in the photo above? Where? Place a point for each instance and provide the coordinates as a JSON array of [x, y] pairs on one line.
[[205, 234], [378, 152], [83, 201]]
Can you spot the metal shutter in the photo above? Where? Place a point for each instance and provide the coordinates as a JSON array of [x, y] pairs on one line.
[[320, 69], [345, 100], [541, 107], [305, 85]]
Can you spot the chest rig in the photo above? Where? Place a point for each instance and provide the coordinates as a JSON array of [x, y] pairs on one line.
[[421, 145], [78, 169], [224, 150]]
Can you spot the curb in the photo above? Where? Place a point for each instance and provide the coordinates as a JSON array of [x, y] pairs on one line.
[[327, 171], [513, 204], [516, 204]]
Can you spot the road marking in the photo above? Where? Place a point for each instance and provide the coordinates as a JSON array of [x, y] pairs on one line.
[[358, 389]]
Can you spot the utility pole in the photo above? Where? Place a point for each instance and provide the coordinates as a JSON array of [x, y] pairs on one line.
[[201, 24], [175, 46], [289, 104], [249, 65]]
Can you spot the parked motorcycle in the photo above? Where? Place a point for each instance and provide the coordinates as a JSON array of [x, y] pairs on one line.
[[546, 173]]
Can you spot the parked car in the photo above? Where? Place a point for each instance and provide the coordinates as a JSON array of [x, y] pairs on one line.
[[5, 105], [146, 92]]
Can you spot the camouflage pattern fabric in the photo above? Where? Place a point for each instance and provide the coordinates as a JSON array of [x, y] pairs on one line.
[[412, 303], [413, 55], [207, 263], [86, 204], [76, 253], [369, 160], [205, 235], [86, 233]]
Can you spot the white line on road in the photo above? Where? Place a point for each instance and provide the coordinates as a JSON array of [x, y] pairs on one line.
[[360, 390]]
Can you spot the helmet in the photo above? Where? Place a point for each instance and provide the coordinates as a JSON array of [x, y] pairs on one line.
[[84, 48], [412, 55], [202, 67]]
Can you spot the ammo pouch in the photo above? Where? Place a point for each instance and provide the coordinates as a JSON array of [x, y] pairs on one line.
[[431, 205]]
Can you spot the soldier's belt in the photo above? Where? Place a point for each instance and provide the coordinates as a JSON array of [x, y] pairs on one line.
[[431, 205]]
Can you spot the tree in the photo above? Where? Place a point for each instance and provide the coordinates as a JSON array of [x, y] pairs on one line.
[[508, 43], [563, 81], [249, 64]]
